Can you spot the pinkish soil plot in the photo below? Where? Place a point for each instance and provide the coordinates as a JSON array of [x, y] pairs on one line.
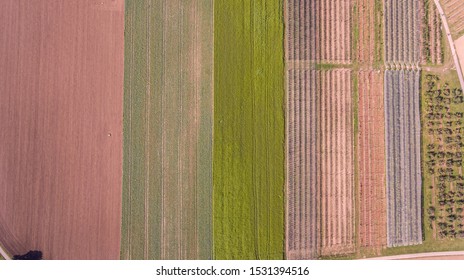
[[61, 87]]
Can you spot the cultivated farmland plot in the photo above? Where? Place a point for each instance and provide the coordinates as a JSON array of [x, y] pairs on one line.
[[402, 140], [167, 185], [454, 10], [371, 161], [249, 130], [61, 109], [368, 50], [402, 33], [319, 30], [319, 130], [337, 162], [432, 35], [320, 180]]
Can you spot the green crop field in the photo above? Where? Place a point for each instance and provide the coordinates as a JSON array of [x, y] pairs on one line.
[[248, 130], [167, 168]]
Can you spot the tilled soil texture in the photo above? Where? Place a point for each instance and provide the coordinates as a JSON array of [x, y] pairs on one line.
[[403, 163], [319, 129], [402, 33], [454, 10], [167, 185], [371, 161], [61, 86]]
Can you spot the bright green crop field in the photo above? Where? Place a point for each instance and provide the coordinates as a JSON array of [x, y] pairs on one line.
[[248, 167]]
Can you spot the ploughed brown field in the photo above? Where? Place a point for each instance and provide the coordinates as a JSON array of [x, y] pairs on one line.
[[61, 88]]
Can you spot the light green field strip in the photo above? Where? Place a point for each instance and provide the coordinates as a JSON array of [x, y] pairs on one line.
[[248, 129], [167, 176]]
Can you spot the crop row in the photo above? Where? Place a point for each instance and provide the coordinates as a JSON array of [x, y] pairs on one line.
[[319, 30], [302, 180], [371, 161], [320, 185], [402, 33], [402, 139], [432, 35]]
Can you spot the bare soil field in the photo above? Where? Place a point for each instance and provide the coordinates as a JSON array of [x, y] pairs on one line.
[[167, 185], [371, 162], [454, 10], [61, 64]]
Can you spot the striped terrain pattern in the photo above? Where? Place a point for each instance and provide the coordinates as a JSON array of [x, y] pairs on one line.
[[402, 139], [365, 52], [319, 130], [433, 36], [402, 33], [454, 10], [332, 17], [249, 129], [337, 162], [320, 160], [371, 161], [303, 194], [167, 180]]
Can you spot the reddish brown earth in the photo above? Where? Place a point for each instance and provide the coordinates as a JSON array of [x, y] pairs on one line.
[[61, 87], [371, 162]]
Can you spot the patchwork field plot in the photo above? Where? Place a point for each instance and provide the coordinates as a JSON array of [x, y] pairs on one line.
[[369, 22], [167, 184], [402, 33], [303, 191], [371, 161], [337, 162], [319, 130], [61, 68], [321, 29], [320, 197], [248, 130], [454, 10], [402, 140], [431, 35]]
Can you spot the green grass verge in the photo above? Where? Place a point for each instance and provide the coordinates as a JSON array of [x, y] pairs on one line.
[[248, 214]]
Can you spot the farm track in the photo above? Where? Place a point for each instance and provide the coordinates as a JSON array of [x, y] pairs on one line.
[[168, 130], [371, 161]]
